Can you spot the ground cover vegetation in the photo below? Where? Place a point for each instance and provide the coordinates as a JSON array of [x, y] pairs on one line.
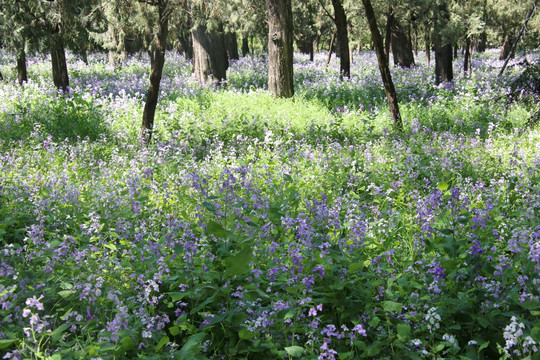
[[264, 228]]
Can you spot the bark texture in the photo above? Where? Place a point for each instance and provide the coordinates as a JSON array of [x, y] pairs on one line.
[[401, 45], [443, 51], [209, 56], [427, 40], [58, 62], [22, 74], [467, 61], [231, 43], [245, 46], [155, 75], [386, 77], [331, 47], [280, 48], [340, 20]]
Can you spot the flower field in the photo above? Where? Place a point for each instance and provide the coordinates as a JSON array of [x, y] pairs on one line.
[[264, 228]]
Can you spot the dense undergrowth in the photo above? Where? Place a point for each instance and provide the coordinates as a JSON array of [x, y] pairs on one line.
[[265, 228]]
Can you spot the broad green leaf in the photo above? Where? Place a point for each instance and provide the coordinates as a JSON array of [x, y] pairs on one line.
[[174, 330], [216, 229], [57, 333], [443, 185], [392, 306], [126, 344], [6, 343], [164, 340], [294, 351], [483, 346], [239, 263], [176, 295], [535, 334], [191, 347], [65, 293], [245, 334], [403, 331], [354, 267]]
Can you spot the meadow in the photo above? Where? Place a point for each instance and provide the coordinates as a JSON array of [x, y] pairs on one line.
[[264, 228]]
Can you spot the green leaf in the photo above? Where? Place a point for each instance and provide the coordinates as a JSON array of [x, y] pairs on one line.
[[354, 267], [57, 333], [535, 334], [392, 306], [6, 343], [439, 347], [164, 340], [403, 331], [191, 347], [294, 351], [216, 229], [245, 334], [239, 263], [126, 344], [443, 186], [65, 293], [483, 346], [176, 295], [174, 330]]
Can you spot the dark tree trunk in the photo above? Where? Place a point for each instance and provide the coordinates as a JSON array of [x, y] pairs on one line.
[[401, 46], [388, 34], [186, 44], [245, 46], [305, 46], [443, 52], [507, 46], [280, 48], [383, 66], [427, 40], [155, 75], [84, 56], [415, 41], [331, 47], [482, 42], [1, 77], [232, 46], [467, 62], [340, 20], [209, 56], [58, 61], [22, 74]]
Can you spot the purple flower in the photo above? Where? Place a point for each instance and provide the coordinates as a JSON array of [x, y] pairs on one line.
[[35, 302]]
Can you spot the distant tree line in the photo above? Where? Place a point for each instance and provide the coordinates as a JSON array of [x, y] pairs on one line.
[[213, 32]]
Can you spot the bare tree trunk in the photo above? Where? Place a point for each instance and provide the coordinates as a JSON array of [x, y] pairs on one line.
[[231, 43], [340, 20], [280, 48], [186, 44], [401, 45], [428, 44], [210, 61], [383, 66], [331, 47], [507, 45], [22, 74], [155, 75], [245, 46], [443, 51], [467, 63], [388, 34], [415, 42], [58, 62]]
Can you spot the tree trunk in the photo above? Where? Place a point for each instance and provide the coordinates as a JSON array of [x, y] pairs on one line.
[[467, 63], [415, 42], [155, 75], [209, 56], [186, 44], [280, 48], [388, 34], [443, 51], [58, 62], [386, 77], [331, 47], [245, 46], [507, 46], [401, 45], [232, 46], [482, 41], [22, 75], [428, 44], [1, 77], [340, 20]]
